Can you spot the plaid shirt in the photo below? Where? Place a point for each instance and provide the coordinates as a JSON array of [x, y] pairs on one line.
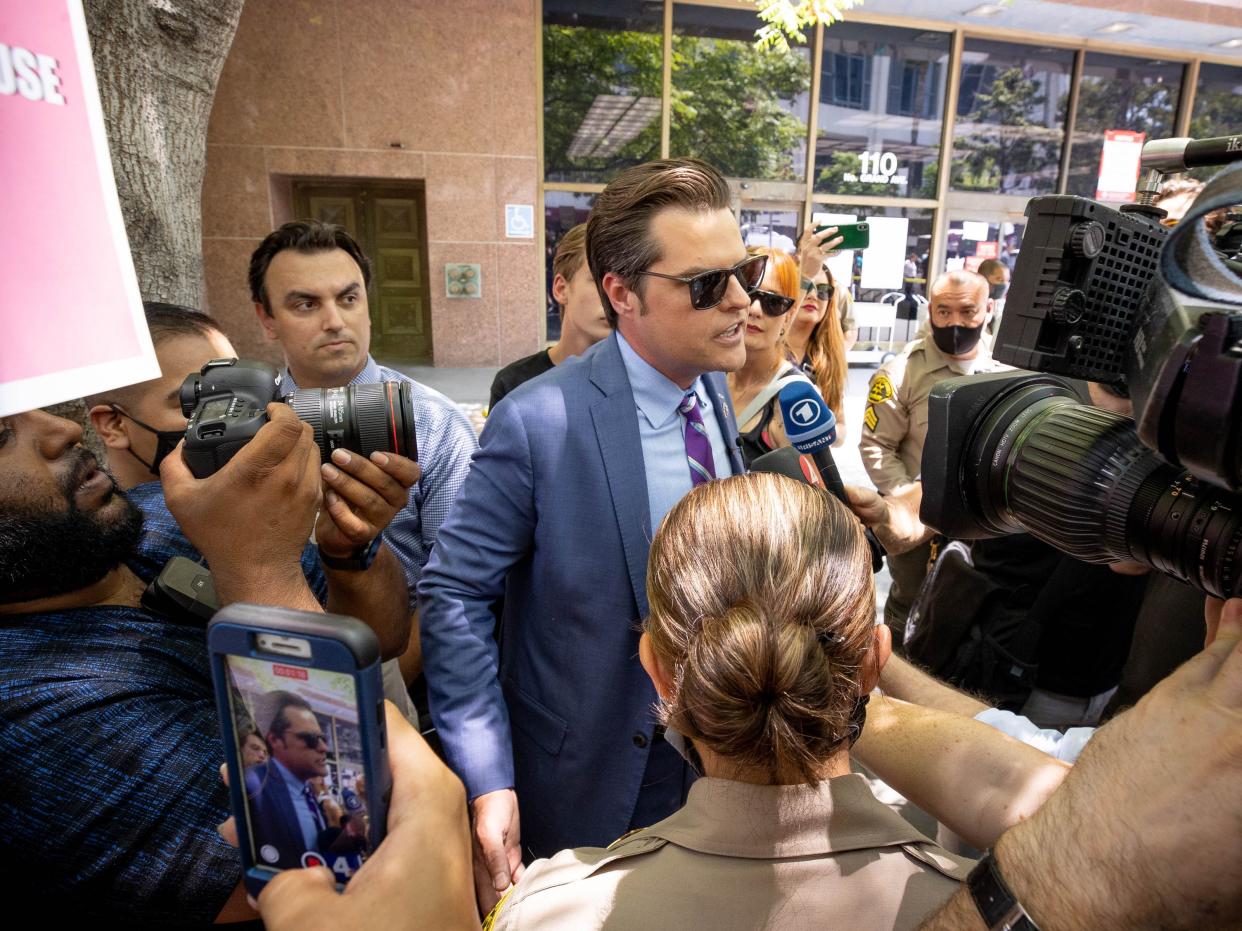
[[111, 793], [446, 442]]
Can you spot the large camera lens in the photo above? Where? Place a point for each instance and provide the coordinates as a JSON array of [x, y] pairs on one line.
[[1077, 477], [361, 418]]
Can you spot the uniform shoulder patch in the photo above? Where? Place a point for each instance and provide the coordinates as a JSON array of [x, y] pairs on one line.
[[881, 390], [870, 418]]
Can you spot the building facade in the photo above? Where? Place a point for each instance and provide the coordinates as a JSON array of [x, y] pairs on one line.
[[460, 141]]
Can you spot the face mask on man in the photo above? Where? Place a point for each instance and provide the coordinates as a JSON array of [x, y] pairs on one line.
[[956, 340], [165, 441], [998, 291]]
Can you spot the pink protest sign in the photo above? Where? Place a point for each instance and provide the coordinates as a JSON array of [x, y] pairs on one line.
[[69, 301]]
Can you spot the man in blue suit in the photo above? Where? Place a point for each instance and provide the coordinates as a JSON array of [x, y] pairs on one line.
[[575, 471], [284, 813]]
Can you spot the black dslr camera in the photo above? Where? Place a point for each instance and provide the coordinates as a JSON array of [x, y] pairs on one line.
[[1152, 313], [227, 405]]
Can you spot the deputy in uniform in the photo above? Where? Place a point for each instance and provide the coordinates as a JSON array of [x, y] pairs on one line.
[[895, 418], [762, 646]]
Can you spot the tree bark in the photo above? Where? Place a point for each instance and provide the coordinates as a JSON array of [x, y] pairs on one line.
[[157, 63]]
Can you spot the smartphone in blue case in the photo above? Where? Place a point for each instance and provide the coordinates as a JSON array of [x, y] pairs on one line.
[[301, 708]]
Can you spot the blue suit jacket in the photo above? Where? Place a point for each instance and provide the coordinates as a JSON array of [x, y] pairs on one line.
[[554, 516], [273, 819]]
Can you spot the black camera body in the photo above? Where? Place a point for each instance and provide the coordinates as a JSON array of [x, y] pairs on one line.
[[226, 404], [1113, 297]]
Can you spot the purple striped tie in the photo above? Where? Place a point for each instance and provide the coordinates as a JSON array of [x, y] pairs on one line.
[[698, 446]]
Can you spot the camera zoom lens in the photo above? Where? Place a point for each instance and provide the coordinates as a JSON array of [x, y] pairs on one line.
[[1078, 478], [361, 418]]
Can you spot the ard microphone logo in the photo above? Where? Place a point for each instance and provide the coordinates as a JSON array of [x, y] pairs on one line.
[[805, 412]]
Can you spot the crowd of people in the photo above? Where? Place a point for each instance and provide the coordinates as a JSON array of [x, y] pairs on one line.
[[652, 674]]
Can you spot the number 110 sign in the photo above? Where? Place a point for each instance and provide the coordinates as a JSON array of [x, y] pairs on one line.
[[877, 168]]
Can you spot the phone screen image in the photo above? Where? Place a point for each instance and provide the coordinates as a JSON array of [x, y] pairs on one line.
[[299, 744]]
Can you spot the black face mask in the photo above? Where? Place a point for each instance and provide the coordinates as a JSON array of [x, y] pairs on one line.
[[165, 441], [998, 291], [956, 340]]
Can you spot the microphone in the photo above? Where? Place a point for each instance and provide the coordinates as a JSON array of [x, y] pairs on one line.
[[790, 463], [812, 429]]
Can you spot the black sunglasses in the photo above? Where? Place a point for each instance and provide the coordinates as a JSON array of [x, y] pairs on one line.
[[311, 740], [823, 291], [773, 305], [707, 289]]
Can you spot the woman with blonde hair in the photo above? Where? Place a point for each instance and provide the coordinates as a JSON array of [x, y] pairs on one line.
[[762, 646], [817, 344], [754, 387]]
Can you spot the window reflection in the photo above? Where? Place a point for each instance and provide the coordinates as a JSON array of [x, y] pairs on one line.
[[602, 79], [742, 109], [1119, 93], [1218, 107], [1011, 109], [881, 104]]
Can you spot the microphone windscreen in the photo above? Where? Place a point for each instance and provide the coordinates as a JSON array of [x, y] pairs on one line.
[[809, 424], [790, 463]]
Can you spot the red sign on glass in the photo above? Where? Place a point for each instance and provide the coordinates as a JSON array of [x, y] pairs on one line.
[[1119, 165]]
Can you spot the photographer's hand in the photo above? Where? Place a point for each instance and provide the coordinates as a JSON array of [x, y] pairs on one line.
[[419, 877], [360, 498], [251, 519], [894, 518], [1143, 833], [815, 248]]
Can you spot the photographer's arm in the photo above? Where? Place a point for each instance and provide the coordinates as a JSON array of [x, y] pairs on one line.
[[252, 518], [893, 518], [971, 777], [1143, 832], [903, 680], [361, 497]]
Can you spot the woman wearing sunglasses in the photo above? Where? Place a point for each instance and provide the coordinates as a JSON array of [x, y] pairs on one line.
[[816, 342], [762, 646], [755, 386]]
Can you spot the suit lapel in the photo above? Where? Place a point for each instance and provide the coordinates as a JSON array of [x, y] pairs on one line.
[[621, 449], [723, 404]]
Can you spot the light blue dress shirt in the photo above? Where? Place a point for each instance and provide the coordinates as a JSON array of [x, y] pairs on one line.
[[662, 432], [306, 819]]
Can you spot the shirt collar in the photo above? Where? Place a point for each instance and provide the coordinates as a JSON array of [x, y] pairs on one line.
[[369, 375], [741, 819], [655, 394], [292, 781]]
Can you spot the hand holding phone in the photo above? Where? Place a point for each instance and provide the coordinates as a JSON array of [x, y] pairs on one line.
[[853, 235], [300, 702]]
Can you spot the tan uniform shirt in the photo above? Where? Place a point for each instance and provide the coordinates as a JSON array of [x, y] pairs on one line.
[[828, 855], [895, 419]]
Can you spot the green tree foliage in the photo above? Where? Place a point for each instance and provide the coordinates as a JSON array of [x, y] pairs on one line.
[[990, 159], [1218, 112], [726, 106]]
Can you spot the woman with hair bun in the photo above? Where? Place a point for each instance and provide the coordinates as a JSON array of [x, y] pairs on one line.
[[762, 646]]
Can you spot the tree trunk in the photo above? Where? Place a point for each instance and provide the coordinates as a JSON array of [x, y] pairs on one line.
[[157, 63]]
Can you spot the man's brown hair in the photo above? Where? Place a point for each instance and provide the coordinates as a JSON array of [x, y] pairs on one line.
[[618, 235]]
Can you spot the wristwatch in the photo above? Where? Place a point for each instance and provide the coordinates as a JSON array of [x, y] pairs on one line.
[[358, 561], [999, 907]]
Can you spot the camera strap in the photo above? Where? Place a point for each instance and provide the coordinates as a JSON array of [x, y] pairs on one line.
[[1190, 262]]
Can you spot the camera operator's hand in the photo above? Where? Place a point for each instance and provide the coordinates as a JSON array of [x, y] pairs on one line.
[[1144, 831], [894, 519], [419, 877], [815, 248], [251, 519], [360, 498]]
